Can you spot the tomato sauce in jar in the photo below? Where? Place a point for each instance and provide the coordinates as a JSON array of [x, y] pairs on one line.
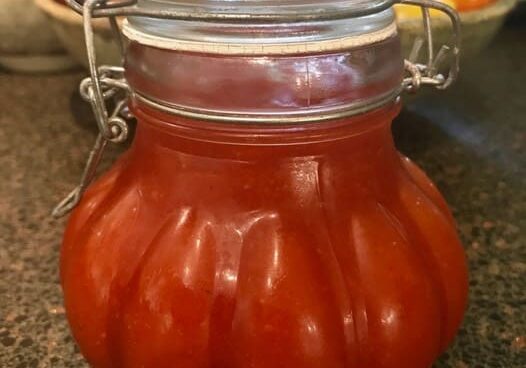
[[263, 216]]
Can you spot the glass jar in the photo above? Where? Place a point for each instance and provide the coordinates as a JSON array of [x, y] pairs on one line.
[[263, 216]]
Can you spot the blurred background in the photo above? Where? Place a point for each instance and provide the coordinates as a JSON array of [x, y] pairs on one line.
[[470, 140]]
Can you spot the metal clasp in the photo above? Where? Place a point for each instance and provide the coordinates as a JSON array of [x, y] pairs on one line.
[[115, 126], [106, 83], [428, 74]]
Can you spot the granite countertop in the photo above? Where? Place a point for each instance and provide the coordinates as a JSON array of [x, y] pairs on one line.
[[470, 140]]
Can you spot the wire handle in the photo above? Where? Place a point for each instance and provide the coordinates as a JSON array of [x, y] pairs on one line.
[[105, 83], [119, 134], [427, 74]]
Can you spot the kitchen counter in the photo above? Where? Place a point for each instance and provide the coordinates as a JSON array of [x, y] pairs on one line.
[[470, 140]]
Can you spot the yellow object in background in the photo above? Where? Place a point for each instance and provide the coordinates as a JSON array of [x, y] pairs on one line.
[[410, 11], [469, 5]]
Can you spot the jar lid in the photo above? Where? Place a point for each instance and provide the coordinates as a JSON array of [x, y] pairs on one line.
[[262, 26], [295, 8]]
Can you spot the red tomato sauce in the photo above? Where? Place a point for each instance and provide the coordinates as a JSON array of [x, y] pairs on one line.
[[228, 245]]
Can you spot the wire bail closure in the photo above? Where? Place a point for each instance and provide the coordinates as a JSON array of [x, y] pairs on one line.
[[107, 83], [428, 73]]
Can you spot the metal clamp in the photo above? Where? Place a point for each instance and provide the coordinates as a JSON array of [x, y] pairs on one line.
[[105, 83], [428, 73], [108, 83], [116, 128]]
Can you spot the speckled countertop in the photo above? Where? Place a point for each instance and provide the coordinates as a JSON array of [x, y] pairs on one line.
[[471, 141]]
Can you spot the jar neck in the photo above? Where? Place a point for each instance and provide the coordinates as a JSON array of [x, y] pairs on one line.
[[296, 86], [360, 137]]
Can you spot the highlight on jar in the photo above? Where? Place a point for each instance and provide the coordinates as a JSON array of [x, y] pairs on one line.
[[262, 184]]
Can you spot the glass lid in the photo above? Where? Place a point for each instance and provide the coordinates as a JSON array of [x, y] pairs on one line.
[[264, 21], [348, 7]]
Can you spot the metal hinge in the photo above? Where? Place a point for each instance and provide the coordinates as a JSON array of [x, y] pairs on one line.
[[420, 74]]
